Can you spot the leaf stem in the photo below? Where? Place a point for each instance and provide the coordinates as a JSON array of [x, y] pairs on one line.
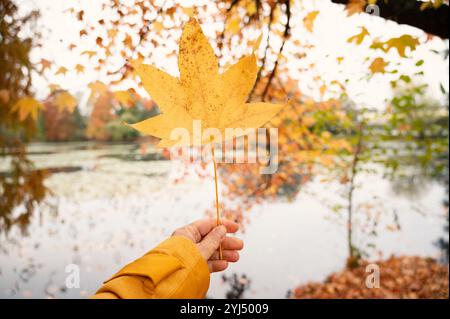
[[217, 195]]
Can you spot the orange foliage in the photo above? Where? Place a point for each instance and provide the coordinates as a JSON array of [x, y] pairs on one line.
[[102, 113], [400, 277], [59, 124]]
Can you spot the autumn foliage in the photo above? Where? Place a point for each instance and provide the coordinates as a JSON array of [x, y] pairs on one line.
[[59, 125], [400, 277], [250, 57], [102, 113]]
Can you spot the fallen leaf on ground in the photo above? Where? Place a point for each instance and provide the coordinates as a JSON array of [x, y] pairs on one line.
[[400, 277]]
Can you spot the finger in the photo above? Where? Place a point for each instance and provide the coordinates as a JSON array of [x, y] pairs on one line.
[[232, 243], [204, 226], [217, 265], [228, 255], [210, 243]]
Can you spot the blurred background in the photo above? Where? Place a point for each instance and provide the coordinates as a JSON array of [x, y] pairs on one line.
[[363, 145]]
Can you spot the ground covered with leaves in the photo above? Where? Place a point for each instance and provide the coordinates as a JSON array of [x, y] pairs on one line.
[[400, 277]]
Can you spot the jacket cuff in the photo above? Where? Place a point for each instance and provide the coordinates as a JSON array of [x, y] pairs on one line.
[[177, 256], [184, 250]]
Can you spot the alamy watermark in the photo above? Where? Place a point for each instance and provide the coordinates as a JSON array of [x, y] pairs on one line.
[[373, 278], [73, 278], [373, 9], [232, 145]]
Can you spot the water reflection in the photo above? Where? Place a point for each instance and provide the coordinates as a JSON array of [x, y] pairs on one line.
[[412, 182], [410, 186], [443, 242], [21, 189], [237, 285]]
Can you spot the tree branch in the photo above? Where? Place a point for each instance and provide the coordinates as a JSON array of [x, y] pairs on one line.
[[222, 34], [430, 20], [285, 37], [258, 76]]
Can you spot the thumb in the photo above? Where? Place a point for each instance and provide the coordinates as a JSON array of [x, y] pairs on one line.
[[211, 242]]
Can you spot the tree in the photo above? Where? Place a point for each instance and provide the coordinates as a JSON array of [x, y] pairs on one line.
[[23, 184], [120, 132], [101, 115], [60, 124]]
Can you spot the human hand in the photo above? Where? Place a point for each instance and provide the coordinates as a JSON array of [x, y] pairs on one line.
[[208, 237]]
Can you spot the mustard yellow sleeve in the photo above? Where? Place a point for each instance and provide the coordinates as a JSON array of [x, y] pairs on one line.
[[174, 269]]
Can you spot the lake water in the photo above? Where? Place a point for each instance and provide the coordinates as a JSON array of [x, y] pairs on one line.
[[112, 208]]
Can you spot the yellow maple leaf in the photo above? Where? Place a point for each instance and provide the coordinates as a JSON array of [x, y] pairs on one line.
[[339, 84], [98, 88], [378, 65], [54, 87], [123, 97], [323, 89], [46, 64], [128, 41], [359, 38], [158, 26], [62, 70], [189, 11], [251, 8], [79, 68], [89, 53], [201, 93], [233, 25], [112, 33], [435, 4], [27, 106], [378, 45], [256, 43], [401, 43], [308, 20], [65, 101]]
